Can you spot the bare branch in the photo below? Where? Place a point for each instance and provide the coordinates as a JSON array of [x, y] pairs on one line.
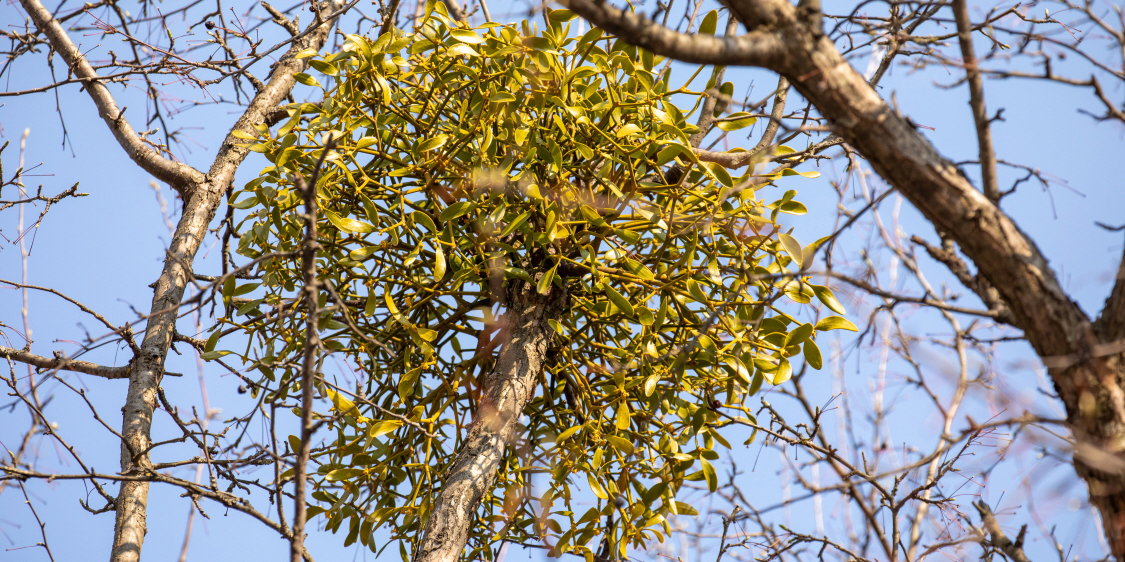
[[176, 174], [62, 363]]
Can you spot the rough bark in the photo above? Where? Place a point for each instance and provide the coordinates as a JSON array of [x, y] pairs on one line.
[[506, 390], [1084, 359], [203, 194]]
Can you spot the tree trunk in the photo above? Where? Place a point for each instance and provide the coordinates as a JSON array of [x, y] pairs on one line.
[[506, 390], [203, 195]]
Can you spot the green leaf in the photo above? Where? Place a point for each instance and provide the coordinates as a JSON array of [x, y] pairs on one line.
[[709, 25], [561, 16], [736, 121], [567, 434], [791, 172], [466, 36], [348, 224], [457, 209], [623, 417], [406, 383], [344, 474], [793, 248], [439, 263], [544, 284], [630, 129], [671, 151], [424, 220], [619, 301], [696, 292], [212, 341], [835, 323], [306, 79], [784, 372], [824, 294], [517, 273], [433, 144], [621, 444], [709, 475], [326, 68], [798, 335], [596, 487], [645, 316], [812, 355], [383, 427], [720, 173], [462, 49]]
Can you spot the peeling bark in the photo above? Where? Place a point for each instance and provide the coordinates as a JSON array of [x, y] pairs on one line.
[[506, 390]]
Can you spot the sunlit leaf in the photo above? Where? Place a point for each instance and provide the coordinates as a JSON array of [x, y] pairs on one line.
[[835, 323]]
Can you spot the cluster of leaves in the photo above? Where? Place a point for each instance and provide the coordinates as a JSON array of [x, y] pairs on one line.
[[467, 159]]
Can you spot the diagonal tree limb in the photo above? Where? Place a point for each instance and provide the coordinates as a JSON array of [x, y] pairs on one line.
[[176, 174], [203, 195], [758, 48]]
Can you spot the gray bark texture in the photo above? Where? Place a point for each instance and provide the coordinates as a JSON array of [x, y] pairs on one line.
[[505, 392], [1084, 357], [202, 194]]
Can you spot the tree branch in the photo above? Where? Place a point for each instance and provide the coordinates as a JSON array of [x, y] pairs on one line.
[[1111, 321], [758, 48], [976, 101], [148, 367], [64, 364], [176, 174], [997, 538]]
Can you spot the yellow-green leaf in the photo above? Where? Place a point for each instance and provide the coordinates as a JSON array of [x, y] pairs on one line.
[[737, 121], [433, 144], [455, 210], [306, 79], [463, 49], [466, 36], [406, 383], [361, 254], [812, 355], [793, 248], [630, 129], [784, 372], [595, 487], [619, 301], [621, 444], [544, 284], [709, 25], [567, 434], [439, 263], [709, 475], [697, 292], [623, 418], [824, 294], [835, 323], [348, 224], [383, 427]]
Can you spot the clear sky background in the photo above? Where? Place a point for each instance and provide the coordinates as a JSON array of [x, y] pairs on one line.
[[104, 249]]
